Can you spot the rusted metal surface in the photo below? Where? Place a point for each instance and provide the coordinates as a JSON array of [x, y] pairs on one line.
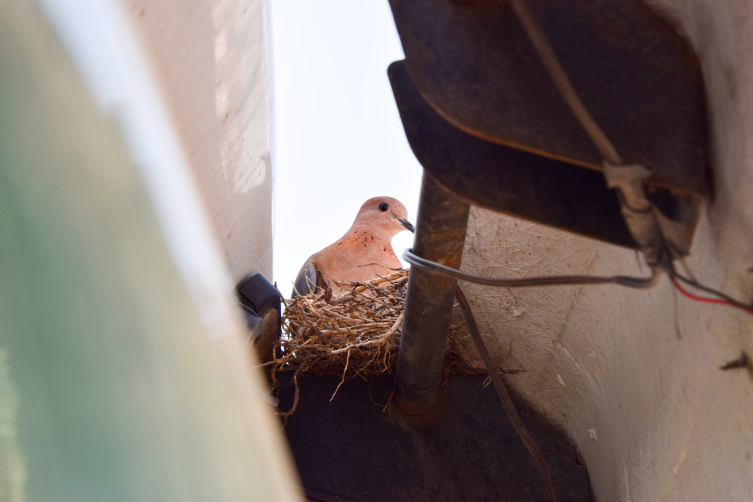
[[505, 179], [440, 235], [474, 65], [351, 449]]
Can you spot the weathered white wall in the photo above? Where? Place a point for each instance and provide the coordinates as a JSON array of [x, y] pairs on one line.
[[646, 404], [212, 58]]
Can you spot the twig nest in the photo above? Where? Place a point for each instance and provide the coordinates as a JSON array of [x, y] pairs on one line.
[[354, 333], [359, 328]]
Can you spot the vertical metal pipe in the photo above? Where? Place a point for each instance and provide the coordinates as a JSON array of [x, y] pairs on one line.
[[440, 235]]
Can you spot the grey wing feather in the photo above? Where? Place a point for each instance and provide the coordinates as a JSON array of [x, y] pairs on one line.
[[305, 283]]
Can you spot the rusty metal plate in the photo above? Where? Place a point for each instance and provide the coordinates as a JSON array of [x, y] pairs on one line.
[[350, 449], [505, 179], [472, 62]]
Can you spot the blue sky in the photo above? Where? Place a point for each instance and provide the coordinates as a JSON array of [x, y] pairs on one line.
[[339, 140]]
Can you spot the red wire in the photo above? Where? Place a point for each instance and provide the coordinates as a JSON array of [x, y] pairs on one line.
[[706, 300]]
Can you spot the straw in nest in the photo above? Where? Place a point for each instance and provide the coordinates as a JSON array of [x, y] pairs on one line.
[[356, 333]]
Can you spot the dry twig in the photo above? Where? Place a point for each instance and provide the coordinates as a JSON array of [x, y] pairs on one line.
[[354, 333]]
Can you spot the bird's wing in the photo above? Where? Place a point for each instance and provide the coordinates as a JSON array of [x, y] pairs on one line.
[[305, 283]]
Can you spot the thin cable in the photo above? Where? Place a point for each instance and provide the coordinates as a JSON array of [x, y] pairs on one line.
[[583, 280], [562, 82], [554, 280], [719, 294], [695, 297], [726, 301], [504, 396]]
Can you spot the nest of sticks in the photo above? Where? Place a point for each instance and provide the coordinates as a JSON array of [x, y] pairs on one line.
[[355, 333]]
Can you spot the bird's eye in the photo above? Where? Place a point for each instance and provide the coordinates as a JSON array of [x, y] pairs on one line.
[[383, 206]]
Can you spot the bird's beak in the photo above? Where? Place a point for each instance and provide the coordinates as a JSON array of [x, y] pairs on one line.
[[407, 224]]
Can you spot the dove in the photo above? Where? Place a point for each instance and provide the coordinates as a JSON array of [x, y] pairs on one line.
[[364, 252]]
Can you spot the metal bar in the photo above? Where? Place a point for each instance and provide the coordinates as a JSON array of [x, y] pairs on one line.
[[440, 235]]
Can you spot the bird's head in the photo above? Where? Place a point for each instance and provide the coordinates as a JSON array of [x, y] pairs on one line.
[[384, 213]]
